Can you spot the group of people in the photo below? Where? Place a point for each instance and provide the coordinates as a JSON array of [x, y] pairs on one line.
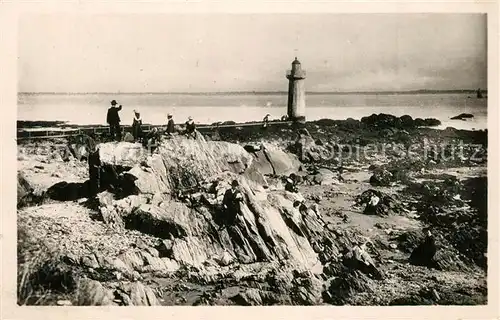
[[137, 134]]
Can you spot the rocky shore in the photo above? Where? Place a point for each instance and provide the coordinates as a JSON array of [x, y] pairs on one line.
[[377, 211]]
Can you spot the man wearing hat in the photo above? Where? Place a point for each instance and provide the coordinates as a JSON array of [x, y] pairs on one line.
[[231, 203], [170, 125], [113, 119]]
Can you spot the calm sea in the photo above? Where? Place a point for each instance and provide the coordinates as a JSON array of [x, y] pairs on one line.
[[92, 108]]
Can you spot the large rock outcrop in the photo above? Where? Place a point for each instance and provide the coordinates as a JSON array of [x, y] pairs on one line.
[[176, 192], [181, 164]]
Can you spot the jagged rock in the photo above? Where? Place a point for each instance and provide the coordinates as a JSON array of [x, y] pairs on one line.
[[306, 290], [261, 163], [92, 293], [270, 228], [90, 261], [346, 285], [24, 190], [192, 234], [184, 164], [123, 154], [409, 240], [137, 294], [250, 297], [307, 150], [324, 176], [178, 163], [378, 203], [448, 259], [272, 160], [226, 259], [159, 222], [359, 259]]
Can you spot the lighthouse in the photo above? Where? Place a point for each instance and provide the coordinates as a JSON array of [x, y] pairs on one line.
[[296, 92]]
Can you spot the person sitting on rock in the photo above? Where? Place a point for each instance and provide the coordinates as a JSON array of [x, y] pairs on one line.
[[291, 184], [423, 254], [152, 140], [190, 128]]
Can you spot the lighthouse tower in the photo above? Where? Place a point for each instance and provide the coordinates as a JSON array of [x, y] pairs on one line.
[[296, 92]]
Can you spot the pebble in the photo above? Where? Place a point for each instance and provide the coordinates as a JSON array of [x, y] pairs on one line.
[[393, 246], [64, 303]]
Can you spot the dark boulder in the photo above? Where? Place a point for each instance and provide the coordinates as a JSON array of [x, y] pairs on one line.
[[359, 259], [325, 122], [378, 203], [381, 177], [419, 122], [409, 240], [92, 293], [431, 122], [381, 120], [351, 123], [462, 116], [349, 283], [406, 121], [423, 254]]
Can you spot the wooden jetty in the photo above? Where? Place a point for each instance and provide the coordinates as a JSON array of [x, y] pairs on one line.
[[51, 133]]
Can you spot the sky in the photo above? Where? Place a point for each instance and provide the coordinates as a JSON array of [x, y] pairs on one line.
[[235, 52]]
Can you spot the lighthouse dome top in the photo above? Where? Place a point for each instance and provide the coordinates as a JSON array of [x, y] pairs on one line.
[[296, 61]]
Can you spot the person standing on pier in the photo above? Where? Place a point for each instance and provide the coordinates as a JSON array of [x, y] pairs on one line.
[[266, 120], [113, 119], [170, 125], [137, 126]]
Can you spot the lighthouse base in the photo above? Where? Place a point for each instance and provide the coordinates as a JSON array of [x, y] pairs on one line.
[[299, 119]]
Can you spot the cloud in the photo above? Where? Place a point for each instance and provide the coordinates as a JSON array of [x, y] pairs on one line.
[[251, 52]]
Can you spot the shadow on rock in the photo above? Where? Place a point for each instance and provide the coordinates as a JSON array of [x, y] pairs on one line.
[[68, 191]]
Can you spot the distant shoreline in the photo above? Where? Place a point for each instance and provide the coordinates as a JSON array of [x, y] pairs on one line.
[[423, 91]]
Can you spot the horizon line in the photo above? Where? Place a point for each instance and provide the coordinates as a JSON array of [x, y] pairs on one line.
[[263, 92]]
